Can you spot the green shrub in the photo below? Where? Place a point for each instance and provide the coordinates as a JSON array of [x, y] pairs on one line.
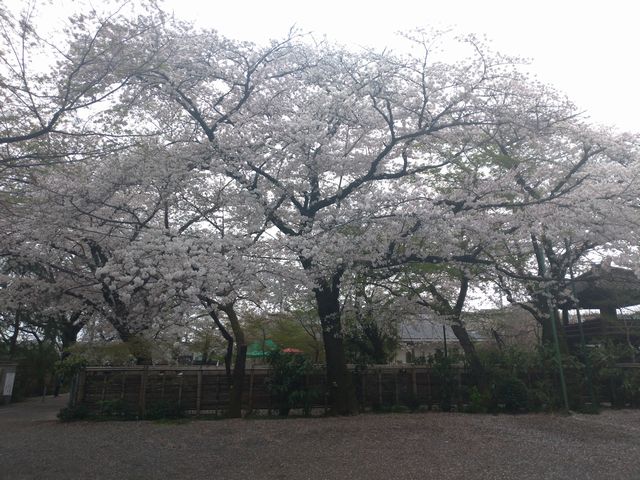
[[512, 395], [631, 385], [619, 386], [445, 373], [70, 365], [412, 403], [537, 378], [479, 401], [541, 397], [36, 370], [287, 382], [164, 410], [111, 353], [115, 409], [69, 414], [400, 409]]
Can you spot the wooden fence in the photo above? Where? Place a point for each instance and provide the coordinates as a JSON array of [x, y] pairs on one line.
[[205, 389], [600, 328]]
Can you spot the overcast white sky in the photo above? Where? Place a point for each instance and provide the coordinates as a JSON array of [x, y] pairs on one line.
[[588, 49]]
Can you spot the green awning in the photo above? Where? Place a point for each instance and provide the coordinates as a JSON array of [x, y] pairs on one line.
[[261, 349]]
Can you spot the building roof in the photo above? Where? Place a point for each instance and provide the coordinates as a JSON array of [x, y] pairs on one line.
[[424, 330], [607, 286]]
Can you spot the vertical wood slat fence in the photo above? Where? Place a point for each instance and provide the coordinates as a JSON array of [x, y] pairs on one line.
[[205, 389]]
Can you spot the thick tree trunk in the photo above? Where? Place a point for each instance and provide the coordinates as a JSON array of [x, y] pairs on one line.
[[237, 383], [443, 307], [547, 328], [470, 352], [139, 348], [547, 334], [543, 301], [69, 330], [143, 356], [237, 379], [378, 352], [342, 396], [13, 340]]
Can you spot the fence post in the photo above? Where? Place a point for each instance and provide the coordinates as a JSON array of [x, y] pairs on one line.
[[124, 384], [460, 402], [429, 391], [218, 392], [104, 386], [251, 390], [414, 383], [324, 394], [199, 392], [379, 387], [82, 380], [73, 390], [363, 376], [142, 400], [397, 387]]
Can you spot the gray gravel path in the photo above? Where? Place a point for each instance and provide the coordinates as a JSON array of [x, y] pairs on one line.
[[394, 446]]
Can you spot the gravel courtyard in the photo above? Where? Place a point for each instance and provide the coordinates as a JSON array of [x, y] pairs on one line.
[[393, 446]]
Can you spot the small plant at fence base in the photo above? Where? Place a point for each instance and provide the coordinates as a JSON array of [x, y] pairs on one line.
[[527, 381], [515, 381], [164, 410], [118, 410], [77, 412], [521, 381], [115, 409], [511, 394], [620, 387], [479, 401], [288, 382], [444, 371]]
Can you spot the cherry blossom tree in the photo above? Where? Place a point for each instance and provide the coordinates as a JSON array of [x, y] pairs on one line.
[[333, 144], [58, 87], [203, 172], [548, 240]]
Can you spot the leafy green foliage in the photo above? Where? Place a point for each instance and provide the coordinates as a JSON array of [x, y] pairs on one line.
[[520, 380], [444, 372], [36, 369], [620, 386], [512, 393], [368, 344], [115, 409], [70, 365], [114, 353], [479, 401], [164, 410], [288, 382], [77, 412], [299, 329]]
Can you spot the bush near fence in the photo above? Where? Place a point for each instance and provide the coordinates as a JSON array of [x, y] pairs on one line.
[[200, 390]]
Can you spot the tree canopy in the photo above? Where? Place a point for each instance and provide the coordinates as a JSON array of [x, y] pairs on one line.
[[159, 171]]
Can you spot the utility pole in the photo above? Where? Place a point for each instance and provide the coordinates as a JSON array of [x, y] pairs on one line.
[[542, 266], [556, 344], [444, 338], [583, 346]]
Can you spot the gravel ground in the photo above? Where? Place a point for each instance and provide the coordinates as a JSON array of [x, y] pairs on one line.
[[391, 446]]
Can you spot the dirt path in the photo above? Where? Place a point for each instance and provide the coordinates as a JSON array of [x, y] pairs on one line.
[[32, 410], [369, 447]]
